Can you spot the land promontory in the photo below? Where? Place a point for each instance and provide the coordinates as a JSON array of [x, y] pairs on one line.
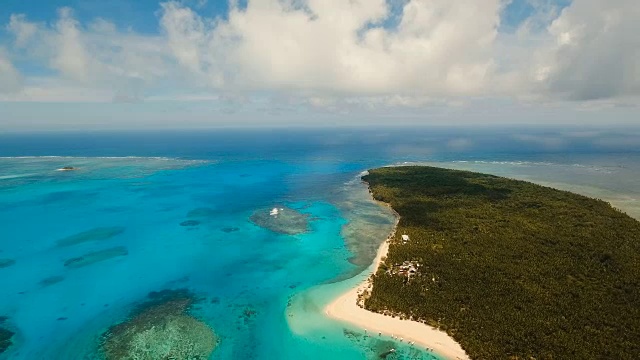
[[509, 269]]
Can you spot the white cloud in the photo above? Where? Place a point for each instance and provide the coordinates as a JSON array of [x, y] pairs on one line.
[[592, 52], [22, 29], [70, 57], [337, 55], [10, 79], [335, 46], [97, 58]]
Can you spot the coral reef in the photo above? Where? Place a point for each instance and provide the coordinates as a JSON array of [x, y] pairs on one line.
[[6, 335], [190, 223], [6, 263], [96, 234], [96, 256], [51, 280], [287, 221], [159, 329]]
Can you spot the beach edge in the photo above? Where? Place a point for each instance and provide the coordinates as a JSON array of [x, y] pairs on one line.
[[345, 308]]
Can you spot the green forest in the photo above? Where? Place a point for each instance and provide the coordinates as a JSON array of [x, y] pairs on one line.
[[510, 269]]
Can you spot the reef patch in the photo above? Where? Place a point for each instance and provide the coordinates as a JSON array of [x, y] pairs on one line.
[[95, 234], [6, 263], [287, 221], [48, 281], [6, 335], [190, 223], [96, 256], [160, 328]]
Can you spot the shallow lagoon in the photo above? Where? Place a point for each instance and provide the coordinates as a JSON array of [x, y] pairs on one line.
[[114, 230]]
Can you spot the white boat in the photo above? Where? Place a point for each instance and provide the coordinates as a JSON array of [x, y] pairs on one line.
[[274, 212]]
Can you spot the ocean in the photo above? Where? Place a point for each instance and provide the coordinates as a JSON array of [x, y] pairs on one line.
[[145, 212]]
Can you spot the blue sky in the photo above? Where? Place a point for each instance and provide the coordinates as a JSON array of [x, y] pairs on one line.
[[408, 61], [140, 15]]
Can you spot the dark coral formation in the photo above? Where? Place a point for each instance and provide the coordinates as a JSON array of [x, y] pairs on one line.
[[287, 221], [160, 328], [6, 263], [6, 335], [190, 223], [96, 234], [230, 229], [96, 256], [51, 280]]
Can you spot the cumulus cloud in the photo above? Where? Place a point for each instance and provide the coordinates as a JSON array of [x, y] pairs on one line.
[[339, 46], [592, 51], [10, 79], [343, 54], [93, 58]]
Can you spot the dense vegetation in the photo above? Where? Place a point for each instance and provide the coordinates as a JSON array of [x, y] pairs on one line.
[[510, 269]]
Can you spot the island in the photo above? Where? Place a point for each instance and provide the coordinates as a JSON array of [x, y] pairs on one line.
[[507, 269], [67, 168]]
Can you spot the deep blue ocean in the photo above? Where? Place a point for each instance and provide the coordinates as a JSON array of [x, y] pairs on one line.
[[134, 193]]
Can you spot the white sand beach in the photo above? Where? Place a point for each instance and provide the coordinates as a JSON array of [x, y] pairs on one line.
[[345, 308]]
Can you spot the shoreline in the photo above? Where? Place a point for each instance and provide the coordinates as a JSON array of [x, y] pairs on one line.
[[345, 308]]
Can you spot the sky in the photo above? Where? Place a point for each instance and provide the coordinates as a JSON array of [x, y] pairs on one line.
[[94, 64]]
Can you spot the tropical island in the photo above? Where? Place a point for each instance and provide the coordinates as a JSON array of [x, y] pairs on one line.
[[507, 268]]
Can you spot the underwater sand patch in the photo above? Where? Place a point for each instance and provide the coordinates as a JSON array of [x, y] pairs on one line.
[[288, 221], [95, 234], [96, 256], [160, 328], [203, 212]]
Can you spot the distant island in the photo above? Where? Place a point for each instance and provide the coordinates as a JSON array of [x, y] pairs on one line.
[[68, 168], [507, 268]]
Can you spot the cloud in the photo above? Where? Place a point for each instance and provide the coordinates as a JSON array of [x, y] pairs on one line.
[[96, 58], [10, 78], [591, 52], [341, 55], [339, 47]]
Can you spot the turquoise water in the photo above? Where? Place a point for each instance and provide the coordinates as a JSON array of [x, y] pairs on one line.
[[232, 265], [124, 218]]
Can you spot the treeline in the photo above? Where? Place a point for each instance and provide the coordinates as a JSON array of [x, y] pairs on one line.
[[511, 270]]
